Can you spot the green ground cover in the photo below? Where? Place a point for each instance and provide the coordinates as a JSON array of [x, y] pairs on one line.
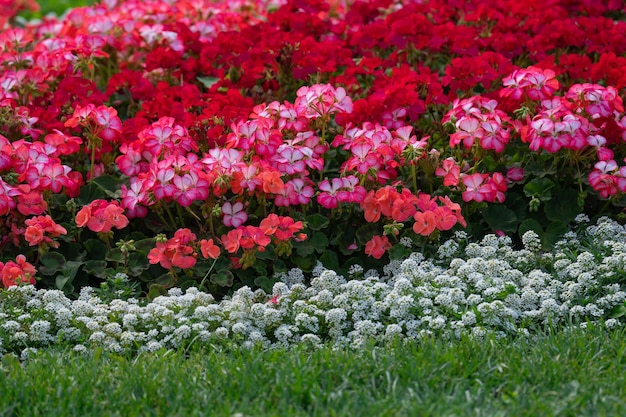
[[568, 373]]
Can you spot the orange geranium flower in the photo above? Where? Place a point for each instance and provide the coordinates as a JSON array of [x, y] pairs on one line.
[[377, 246], [425, 223], [272, 184], [209, 249]]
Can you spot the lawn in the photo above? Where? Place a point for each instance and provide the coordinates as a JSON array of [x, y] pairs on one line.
[[566, 373]]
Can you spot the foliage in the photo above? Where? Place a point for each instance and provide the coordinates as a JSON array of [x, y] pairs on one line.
[[228, 143], [577, 372]]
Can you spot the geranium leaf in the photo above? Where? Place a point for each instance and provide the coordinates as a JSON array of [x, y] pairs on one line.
[[498, 217], [317, 222], [553, 233], [95, 267], [208, 82], [51, 263], [330, 260], [540, 188], [563, 207], [223, 278]]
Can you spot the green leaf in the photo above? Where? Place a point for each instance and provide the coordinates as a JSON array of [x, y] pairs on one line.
[[115, 255], [95, 267], [517, 203], [563, 207], [617, 311], [71, 268], [366, 232], [108, 184], [304, 248], [399, 251], [352, 261], [498, 217], [208, 81], [540, 188], [137, 263], [279, 266], [319, 241], [330, 260], [223, 278], [145, 245], [51, 263], [268, 254], [68, 272], [156, 290], [89, 193], [553, 233], [305, 263], [530, 224], [266, 283], [317, 222], [96, 249], [343, 238]]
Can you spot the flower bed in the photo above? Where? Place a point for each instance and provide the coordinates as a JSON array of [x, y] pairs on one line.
[[472, 289], [218, 145]]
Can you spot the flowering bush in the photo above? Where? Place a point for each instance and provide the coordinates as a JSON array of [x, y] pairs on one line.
[[471, 288], [216, 145]]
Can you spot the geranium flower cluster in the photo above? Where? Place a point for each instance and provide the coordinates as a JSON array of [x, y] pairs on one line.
[[473, 289], [588, 117], [206, 119]]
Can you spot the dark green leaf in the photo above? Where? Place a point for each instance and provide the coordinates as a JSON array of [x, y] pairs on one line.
[[365, 233], [115, 255], [145, 245], [498, 217], [540, 188], [268, 254], [517, 203], [137, 263], [399, 252], [96, 249], [304, 248], [266, 283], [156, 290], [223, 278], [108, 185], [563, 207], [51, 263], [317, 222], [553, 233], [305, 263], [89, 193], [95, 267], [530, 224], [330, 260], [319, 241], [617, 311]]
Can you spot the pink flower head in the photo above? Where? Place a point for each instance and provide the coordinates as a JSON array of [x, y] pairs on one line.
[[534, 82], [474, 187], [450, 172], [320, 100], [234, 214]]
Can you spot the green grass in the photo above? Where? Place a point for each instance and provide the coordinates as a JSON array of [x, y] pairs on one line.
[[57, 7], [576, 373]]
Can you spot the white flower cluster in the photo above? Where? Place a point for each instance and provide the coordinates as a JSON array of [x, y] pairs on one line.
[[471, 289]]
